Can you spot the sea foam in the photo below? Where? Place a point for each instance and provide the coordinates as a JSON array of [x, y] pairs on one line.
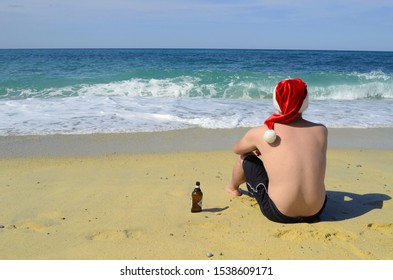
[[103, 114], [133, 90]]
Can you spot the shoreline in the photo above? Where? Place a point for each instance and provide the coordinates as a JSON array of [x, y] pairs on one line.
[[188, 140]]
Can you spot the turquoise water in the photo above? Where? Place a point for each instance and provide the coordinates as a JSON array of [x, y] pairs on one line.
[[132, 90]]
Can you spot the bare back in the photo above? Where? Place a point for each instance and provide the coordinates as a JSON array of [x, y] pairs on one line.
[[296, 165]]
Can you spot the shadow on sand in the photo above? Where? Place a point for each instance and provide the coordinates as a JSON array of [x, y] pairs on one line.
[[345, 205], [215, 210], [340, 205]]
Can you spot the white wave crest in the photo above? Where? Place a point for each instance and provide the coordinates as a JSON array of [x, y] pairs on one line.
[[373, 90], [373, 75], [372, 85]]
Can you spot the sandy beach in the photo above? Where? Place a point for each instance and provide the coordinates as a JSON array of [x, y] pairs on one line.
[[127, 196]]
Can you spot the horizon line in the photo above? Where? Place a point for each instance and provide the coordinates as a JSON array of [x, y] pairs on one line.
[[189, 48]]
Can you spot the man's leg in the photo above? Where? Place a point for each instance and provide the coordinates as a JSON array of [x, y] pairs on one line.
[[238, 178]]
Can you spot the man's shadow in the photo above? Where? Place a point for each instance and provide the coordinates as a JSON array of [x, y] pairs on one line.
[[344, 205]]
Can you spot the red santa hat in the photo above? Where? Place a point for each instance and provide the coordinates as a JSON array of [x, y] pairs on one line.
[[290, 98]]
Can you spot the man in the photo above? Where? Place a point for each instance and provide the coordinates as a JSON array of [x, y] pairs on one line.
[[289, 183]]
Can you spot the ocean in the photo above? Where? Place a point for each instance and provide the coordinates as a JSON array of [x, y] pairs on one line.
[[85, 91]]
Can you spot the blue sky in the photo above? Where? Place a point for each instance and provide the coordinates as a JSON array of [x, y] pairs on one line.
[[256, 24]]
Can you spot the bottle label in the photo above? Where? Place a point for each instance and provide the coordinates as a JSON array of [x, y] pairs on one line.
[[196, 206], [199, 202]]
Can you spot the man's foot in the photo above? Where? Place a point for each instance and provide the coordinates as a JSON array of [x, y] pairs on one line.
[[234, 192]]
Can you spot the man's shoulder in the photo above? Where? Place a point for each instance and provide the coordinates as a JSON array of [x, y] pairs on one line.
[[318, 130], [321, 127], [255, 134], [315, 125], [257, 130]]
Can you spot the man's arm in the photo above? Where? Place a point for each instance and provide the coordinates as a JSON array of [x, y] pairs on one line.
[[246, 144]]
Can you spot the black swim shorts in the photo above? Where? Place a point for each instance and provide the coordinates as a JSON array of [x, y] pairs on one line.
[[257, 182]]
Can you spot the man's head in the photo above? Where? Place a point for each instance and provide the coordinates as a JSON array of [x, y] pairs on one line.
[[290, 98]]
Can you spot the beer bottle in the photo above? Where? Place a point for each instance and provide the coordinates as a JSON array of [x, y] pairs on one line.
[[196, 198]]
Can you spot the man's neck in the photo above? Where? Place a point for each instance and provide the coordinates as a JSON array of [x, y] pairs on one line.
[[298, 117]]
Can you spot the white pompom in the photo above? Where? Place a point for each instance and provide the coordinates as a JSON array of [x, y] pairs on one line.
[[270, 136]]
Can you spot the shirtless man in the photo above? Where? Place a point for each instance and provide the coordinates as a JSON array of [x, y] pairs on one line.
[[289, 183]]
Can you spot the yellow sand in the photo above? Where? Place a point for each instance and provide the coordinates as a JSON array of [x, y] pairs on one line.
[[137, 206]]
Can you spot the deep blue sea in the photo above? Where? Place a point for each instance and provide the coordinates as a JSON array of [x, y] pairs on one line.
[[79, 91]]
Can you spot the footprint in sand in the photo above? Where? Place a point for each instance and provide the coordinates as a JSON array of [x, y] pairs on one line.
[[110, 235], [33, 226], [248, 200], [115, 235], [292, 234], [301, 235], [381, 228], [41, 223]]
